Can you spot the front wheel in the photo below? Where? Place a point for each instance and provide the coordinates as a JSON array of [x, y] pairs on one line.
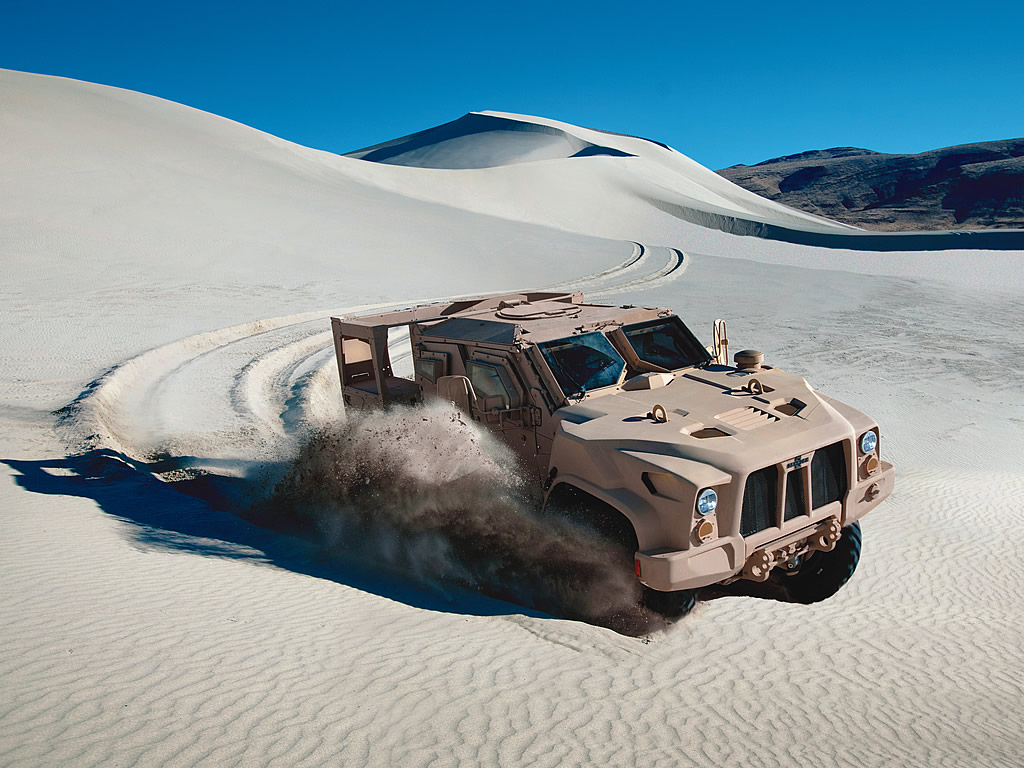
[[824, 573], [671, 605], [607, 523]]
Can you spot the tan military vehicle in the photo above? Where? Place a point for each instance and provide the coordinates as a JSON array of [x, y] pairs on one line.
[[704, 473]]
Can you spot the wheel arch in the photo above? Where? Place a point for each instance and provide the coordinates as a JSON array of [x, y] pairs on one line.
[[603, 511]]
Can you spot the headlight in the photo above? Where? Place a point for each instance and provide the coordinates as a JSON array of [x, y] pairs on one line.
[[707, 500], [868, 442]]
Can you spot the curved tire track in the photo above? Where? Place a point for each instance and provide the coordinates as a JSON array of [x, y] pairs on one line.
[[585, 282], [224, 393], [674, 267]]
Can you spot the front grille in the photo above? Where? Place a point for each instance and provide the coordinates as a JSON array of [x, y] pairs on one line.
[[828, 475], [760, 501], [828, 483], [795, 504]]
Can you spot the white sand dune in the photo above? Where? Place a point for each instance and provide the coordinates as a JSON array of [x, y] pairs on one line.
[[634, 182], [168, 278]]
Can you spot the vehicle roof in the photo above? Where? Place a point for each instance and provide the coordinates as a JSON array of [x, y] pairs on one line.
[[537, 321], [508, 318]]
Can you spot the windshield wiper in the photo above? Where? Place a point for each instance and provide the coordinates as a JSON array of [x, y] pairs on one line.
[[581, 390]]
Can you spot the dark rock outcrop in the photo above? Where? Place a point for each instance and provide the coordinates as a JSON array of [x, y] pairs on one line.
[[972, 186]]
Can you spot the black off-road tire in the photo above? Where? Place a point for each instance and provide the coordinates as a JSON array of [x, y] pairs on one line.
[[671, 605], [580, 508], [583, 509], [825, 573]]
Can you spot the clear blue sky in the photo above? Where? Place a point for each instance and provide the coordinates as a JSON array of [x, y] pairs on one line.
[[723, 82]]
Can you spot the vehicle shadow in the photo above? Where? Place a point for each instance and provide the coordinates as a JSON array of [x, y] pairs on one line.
[[209, 516]]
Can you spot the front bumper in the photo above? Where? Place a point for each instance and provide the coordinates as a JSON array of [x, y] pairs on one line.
[[671, 570]]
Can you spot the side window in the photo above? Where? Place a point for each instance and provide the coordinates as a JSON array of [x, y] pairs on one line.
[[430, 365], [490, 379], [428, 369]]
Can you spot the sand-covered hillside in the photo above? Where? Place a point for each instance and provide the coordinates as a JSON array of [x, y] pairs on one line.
[[165, 357]]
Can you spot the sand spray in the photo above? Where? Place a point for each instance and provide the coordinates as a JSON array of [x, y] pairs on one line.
[[424, 491]]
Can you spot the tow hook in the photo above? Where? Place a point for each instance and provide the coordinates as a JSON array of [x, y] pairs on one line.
[[826, 538], [759, 566]]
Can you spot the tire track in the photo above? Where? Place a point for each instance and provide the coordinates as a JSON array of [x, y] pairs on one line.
[[673, 269], [596, 279], [122, 408], [228, 392]]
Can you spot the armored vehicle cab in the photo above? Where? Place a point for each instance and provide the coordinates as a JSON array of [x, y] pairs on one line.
[[705, 472]]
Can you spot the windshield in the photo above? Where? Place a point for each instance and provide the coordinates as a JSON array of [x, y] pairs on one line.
[[665, 342], [584, 362]]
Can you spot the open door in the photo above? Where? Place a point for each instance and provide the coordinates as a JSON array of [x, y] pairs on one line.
[[364, 366]]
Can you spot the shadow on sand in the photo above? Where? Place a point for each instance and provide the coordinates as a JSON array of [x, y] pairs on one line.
[[199, 517]]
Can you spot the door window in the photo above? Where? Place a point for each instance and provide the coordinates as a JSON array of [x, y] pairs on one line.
[[491, 379]]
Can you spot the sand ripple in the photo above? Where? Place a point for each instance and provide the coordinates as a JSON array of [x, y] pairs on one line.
[[258, 653]]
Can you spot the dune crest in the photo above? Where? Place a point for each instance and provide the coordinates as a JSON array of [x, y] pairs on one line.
[[482, 140]]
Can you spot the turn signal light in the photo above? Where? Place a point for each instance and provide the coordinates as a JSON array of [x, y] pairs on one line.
[[705, 531]]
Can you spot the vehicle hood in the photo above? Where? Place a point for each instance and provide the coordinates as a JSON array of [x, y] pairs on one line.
[[713, 417]]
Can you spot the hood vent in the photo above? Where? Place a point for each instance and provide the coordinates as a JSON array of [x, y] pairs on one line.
[[747, 417]]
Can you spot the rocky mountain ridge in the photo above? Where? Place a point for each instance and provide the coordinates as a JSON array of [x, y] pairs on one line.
[[969, 186]]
